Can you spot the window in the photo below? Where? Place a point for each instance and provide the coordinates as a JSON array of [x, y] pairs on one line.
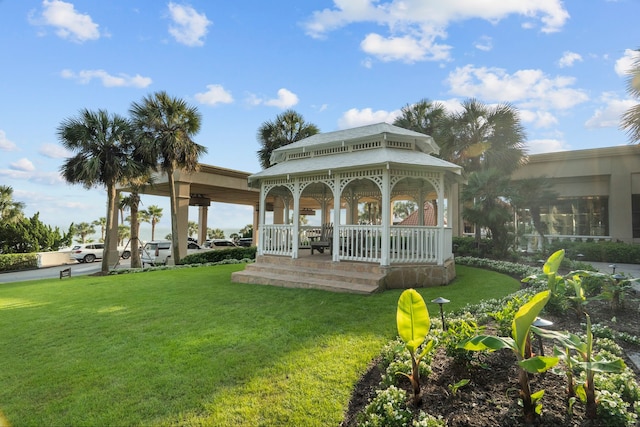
[[635, 214], [578, 216]]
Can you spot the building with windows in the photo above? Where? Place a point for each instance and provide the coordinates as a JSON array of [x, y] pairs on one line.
[[598, 193]]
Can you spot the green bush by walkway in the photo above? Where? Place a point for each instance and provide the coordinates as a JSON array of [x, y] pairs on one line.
[[189, 347]]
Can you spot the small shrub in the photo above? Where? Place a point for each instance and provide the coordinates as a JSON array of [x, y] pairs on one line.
[[459, 329], [387, 409], [614, 411]]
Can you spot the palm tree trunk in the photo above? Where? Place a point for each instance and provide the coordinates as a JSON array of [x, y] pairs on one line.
[[174, 217], [111, 206], [135, 228]]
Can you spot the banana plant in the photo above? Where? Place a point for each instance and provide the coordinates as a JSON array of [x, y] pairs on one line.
[[412, 319], [519, 344], [584, 359]]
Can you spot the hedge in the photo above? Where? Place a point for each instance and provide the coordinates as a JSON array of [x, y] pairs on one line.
[[14, 262], [204, 257], [620, 252]]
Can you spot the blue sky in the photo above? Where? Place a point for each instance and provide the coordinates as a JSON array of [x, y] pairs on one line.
[[340, 63]]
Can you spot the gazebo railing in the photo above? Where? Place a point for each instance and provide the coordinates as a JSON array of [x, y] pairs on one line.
[[414, 244], [364, 243], [360, 242], [277, 239]]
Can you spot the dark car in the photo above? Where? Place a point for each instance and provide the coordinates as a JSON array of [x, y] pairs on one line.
[[245, 241]]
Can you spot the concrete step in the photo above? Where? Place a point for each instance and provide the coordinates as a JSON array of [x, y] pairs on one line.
[[289, 281], [318, 273], [302, 272]]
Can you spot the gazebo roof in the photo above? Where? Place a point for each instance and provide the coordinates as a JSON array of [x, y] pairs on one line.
[[373, 145]]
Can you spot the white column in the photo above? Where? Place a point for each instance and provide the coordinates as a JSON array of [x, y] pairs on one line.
[[296, 220], [441, 220], [386, 218], [261, 218], [336, 219]]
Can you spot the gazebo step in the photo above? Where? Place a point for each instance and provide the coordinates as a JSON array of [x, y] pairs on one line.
[[327, 275], [288, 281]]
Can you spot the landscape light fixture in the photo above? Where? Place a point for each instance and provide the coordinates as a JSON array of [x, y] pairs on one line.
[[541, 323], [441, 301], [614, 268]]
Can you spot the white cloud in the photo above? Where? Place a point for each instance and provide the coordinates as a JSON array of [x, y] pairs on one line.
[[189, 27], [568, 59], [414, 25], [537, 146], [285, 99], [215, 94], [23, 164], [54, 151], [5, 143], [355, 117], [609, 114], [47, 178], [108, 80], [484, 43], [69, 23], [539, 118], [406, 48], [625, 63], [529, 88]]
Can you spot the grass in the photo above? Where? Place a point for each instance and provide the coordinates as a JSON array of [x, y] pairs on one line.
[[189, 347]]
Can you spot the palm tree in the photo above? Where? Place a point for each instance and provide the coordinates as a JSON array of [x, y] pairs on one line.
[[155, 213], [286, 128], [247, 231], [215, 233], [143, 216], [485, 198], [132, 202], [103, 147], [631, 118], [487, 137], [82, 230], [102, 223], [430, 118], [192, 228], [124, 231], [10, 210], [165, 127]]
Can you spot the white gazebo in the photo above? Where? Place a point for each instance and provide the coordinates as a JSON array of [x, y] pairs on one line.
[[334, 174]]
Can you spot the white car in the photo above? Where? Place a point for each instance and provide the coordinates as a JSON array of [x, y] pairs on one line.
[[219, 244], [89, 252], [156, 252]]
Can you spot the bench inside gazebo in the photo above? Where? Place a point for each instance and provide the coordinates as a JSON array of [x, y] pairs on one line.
[[334, 173]]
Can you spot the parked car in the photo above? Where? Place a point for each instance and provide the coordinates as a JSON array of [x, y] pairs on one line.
[[245, 241], [156, 252], [89, 252], [219, 244]]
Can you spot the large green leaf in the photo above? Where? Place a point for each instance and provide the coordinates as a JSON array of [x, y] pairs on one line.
[[610, 366], [525, 317], [412, 319], [539, 364], [486, 342], [553, 262]]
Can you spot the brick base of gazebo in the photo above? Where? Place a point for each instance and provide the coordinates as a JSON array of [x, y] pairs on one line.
[[320, 272]]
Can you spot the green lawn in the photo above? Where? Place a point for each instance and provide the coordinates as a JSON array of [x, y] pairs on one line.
[[189, 347]]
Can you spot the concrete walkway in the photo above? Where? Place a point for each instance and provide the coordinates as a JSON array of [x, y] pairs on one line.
[[632, 270]]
